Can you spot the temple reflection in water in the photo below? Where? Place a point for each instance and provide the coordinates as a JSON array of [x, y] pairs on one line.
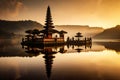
[[49, 53]]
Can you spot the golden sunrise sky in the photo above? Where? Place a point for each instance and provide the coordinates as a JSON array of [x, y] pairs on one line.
[[101, 13]]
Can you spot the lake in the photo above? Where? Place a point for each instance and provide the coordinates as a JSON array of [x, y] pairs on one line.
[[99, 61]]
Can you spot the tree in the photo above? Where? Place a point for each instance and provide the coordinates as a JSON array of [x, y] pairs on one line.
[[29, 32], [35, 32]]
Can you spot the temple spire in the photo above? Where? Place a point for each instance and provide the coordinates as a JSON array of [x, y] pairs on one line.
[[48, 30], [48, 24]]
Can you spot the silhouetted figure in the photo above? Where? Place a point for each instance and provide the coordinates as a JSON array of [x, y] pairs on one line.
[[73, 39], [68, 39], [90, 39]]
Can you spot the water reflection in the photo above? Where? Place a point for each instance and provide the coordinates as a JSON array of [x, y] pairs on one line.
[[49, 53], [111, 45], [12, 48], [59, 49], [98, 61]]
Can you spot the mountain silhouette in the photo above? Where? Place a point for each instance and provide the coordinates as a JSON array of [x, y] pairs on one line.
[[10, 29], [18, 26], [84, 29], [111, 33]]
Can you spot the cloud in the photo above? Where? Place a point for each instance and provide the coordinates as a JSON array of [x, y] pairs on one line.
[[10, 8]]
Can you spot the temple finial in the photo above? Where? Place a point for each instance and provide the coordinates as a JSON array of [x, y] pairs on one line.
[[48, 21], [48, 7]]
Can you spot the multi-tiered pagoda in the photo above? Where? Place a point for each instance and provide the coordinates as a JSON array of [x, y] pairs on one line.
[[45, 36], [49, 31]]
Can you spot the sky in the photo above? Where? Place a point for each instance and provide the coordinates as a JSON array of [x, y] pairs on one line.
[[101, 13]]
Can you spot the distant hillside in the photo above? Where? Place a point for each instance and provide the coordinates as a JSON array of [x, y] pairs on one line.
[[18, 26], [84, 29], [10, 29], [112, 33]]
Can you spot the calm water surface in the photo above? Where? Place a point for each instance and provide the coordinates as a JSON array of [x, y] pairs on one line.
[[101, 61]]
